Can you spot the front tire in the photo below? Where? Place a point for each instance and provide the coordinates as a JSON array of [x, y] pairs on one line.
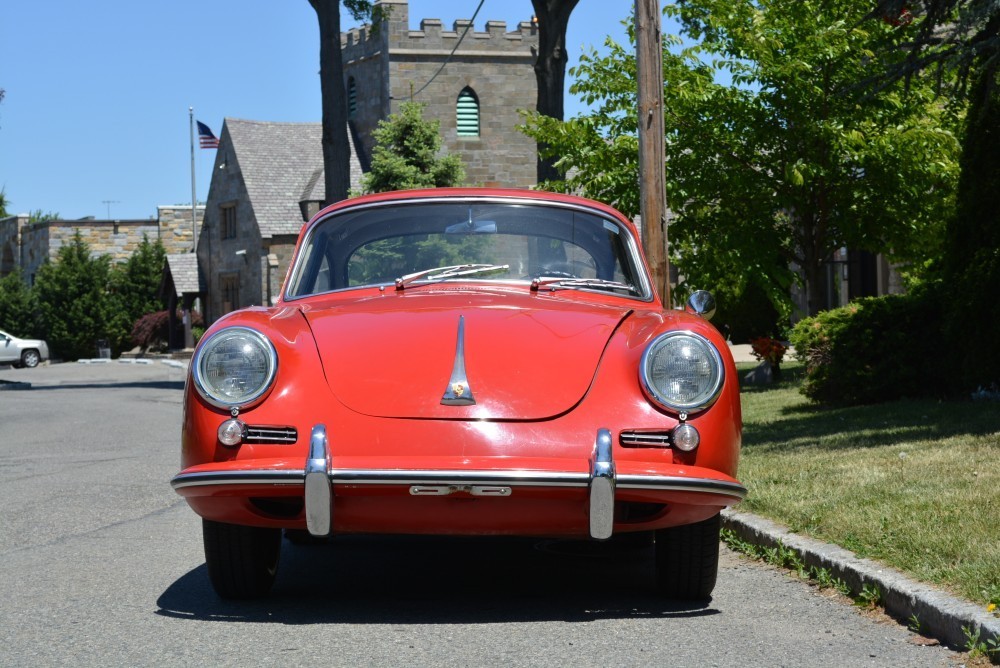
[[242, 561], [687, 560], [30, 359]]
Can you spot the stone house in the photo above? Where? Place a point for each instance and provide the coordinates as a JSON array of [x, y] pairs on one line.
[[266, 183]]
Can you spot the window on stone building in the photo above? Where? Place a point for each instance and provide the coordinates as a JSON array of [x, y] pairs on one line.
[[228, 215], [467, 113], [229, 286], [352, 96]]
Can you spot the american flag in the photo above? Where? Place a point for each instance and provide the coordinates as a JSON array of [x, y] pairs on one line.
[[205, 137]]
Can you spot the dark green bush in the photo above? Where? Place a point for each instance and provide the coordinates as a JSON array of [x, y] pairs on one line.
[[875, 349], [748, 315]]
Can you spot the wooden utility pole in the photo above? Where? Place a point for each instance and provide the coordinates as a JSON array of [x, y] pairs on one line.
[[652, 153]]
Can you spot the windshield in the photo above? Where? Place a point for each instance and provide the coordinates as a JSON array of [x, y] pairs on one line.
[[517, 242]]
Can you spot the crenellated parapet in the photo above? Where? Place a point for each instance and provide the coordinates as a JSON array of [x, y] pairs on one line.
[[496, 38], [361, 43]]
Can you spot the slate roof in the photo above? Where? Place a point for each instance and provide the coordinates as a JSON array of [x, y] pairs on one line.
[[282, 164], [183, 270]]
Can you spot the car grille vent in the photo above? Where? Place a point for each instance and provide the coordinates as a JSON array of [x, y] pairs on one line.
[[646, 439], [270, 435]]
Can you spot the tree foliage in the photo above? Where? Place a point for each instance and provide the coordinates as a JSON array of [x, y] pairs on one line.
[[407, 154], [134, 290], [776, 156], [72, 295], [79, 299], [962, 38], [18, 308]]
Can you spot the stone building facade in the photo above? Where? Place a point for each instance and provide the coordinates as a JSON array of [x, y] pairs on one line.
[[27, 246], [475, 96]]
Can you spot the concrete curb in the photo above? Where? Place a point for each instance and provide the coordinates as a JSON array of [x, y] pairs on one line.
[[941, 615]]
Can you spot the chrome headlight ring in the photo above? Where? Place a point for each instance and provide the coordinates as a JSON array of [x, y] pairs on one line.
[[682, 372], [234, 367]]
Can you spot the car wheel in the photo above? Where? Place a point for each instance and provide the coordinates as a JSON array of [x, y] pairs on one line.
[[687, 560], [242, 561], [30, 358]]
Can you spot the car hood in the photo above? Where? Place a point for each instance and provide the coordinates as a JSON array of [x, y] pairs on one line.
[[526, 357]]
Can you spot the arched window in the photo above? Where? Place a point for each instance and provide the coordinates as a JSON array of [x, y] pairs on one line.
[[467, 113], [352, 96]]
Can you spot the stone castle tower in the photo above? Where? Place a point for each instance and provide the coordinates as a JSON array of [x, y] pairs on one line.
[[476, 95]]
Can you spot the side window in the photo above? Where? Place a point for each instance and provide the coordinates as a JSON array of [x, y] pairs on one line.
[[352, 97], [227, 215], [467, 113]]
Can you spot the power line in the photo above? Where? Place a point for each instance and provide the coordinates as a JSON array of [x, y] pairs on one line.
[[448, 59]]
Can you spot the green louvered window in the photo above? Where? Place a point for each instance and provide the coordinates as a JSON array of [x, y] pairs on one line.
[[468, 114], [352, 97]]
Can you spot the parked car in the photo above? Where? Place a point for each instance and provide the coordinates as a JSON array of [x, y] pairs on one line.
[[466, 361], [22, 352]]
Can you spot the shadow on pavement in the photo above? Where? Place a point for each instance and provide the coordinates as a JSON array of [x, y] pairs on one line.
[[441, 580]]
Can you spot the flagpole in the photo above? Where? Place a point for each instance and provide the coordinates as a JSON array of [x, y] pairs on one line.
[[194, 198], [188, 336]]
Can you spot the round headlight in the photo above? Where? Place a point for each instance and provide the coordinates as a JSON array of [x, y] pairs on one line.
[[234, 367], [681, 371]]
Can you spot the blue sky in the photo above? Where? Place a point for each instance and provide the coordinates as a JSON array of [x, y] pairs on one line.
[[95, 119]]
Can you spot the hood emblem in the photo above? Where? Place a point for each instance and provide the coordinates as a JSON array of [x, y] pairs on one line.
[[459, 393]]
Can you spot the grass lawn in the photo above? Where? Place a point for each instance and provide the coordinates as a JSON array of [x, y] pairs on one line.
[[913, 484]]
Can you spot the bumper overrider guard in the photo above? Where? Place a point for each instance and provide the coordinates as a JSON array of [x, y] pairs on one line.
[[320, 475]]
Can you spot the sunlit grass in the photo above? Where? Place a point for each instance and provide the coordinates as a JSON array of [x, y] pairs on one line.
[[914, 484]]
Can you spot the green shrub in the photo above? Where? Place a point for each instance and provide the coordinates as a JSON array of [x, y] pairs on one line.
[[747, 315], [875, 349]]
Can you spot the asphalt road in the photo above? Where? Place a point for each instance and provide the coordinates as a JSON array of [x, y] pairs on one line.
[[102, 565]]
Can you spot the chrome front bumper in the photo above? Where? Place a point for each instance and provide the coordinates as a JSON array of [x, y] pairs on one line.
[[320, 474]]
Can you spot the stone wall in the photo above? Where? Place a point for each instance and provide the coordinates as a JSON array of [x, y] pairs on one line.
[[30, 245], [40, 242], [10, 243], [274, 264], [175, 227]]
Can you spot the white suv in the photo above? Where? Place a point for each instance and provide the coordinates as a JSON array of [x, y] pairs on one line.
[[22, 352]]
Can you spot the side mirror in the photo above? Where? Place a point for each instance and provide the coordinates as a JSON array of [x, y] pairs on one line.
[[701, 302]]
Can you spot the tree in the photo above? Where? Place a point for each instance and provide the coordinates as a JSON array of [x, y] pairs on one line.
[[782, 166], [336, 148], [406, 154], [18, 308], [3, 203], [550, 68], [72, 295], [135, 289], [963, 36], [39, 216]]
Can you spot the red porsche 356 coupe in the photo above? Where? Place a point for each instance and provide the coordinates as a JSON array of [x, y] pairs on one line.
[[466, 361]]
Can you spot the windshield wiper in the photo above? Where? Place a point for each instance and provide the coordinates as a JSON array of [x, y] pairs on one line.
[[452, 271], [562, 282]]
